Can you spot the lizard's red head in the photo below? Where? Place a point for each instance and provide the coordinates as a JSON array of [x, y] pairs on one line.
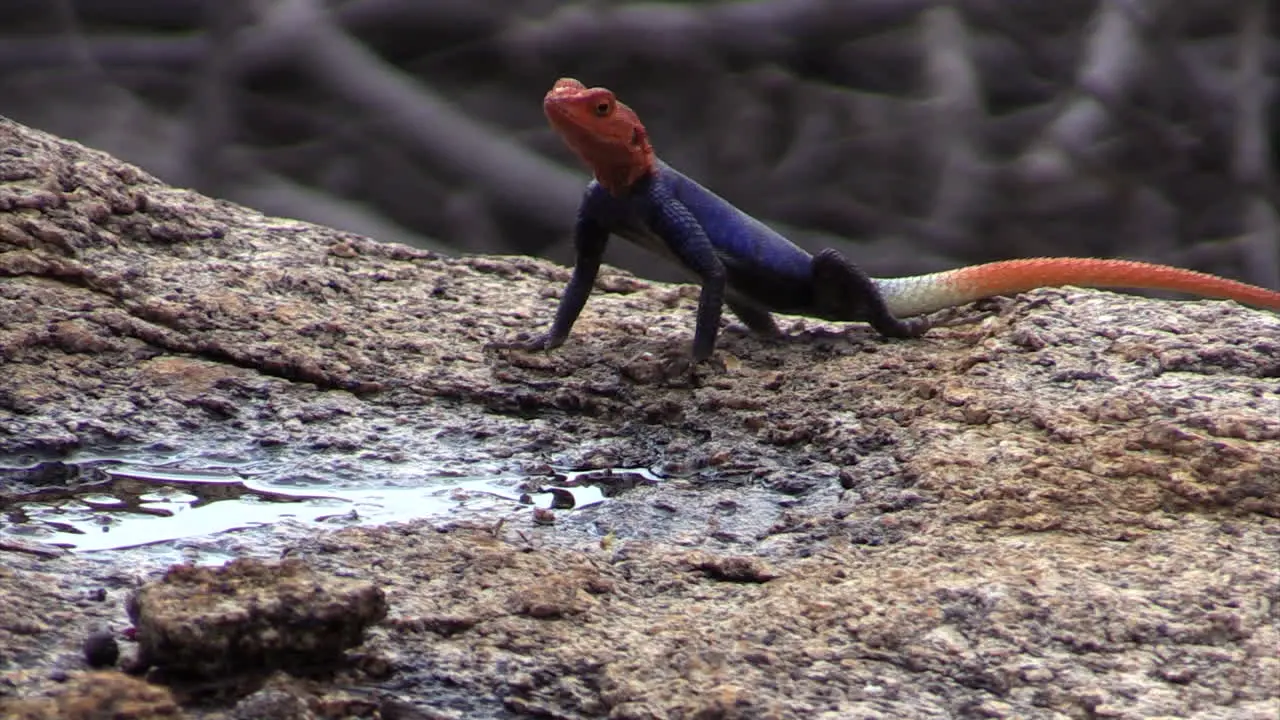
[[606, 134]]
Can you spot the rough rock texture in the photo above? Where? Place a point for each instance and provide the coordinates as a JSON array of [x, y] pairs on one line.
[[955, 622], [93, 696], [1069, 509], [250, 616]]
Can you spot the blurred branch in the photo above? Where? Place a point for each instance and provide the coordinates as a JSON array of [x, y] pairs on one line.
[[112, 51], [760, 29], [210, 124], [459, 16], [533, 186], [956, 114], [74, 45], [1251, 163], [120, 48], [279, 196], [119, 12], [1252, 152], [120, 124], [1114, 62]]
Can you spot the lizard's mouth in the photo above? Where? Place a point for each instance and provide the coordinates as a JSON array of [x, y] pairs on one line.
[[554, 109], [556, 106]]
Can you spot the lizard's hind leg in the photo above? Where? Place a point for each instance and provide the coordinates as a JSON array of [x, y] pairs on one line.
[[842, 291], [757, 320]]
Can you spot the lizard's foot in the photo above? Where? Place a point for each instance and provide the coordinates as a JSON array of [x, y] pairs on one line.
[[680, 365], [543, 341], [680, 369], [890, 326], [684, 371], [672, 368], [758, 320]]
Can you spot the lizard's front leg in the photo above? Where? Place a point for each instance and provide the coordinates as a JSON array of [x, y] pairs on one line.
[[684, 235], [590, 238]]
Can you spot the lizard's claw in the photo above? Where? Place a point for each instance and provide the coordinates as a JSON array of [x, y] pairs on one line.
[[902, 328], [679, 368]]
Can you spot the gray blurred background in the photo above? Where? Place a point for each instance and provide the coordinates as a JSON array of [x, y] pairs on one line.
[[913, 134]]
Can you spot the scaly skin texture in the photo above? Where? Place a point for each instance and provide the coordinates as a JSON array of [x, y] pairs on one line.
[[742, 263]]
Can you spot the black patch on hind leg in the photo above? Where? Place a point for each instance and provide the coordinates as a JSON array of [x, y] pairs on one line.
[[842, 291]]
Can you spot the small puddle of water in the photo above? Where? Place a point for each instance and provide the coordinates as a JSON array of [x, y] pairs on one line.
[[110, 504]]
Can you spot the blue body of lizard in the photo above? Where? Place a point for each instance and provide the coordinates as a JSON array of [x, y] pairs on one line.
[[738, 260]]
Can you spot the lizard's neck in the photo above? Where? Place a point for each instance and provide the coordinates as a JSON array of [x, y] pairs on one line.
[[618, 162], [618, 178]]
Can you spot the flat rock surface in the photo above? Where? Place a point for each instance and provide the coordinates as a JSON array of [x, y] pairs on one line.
[[1068, 509]]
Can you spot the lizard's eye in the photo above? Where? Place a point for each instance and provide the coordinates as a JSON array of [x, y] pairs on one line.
[[603, 108]]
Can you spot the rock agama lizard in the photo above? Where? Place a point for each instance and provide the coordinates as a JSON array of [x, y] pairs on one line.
[[742, 263]]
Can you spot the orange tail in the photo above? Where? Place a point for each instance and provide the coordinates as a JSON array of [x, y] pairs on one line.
[[927, 293]]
